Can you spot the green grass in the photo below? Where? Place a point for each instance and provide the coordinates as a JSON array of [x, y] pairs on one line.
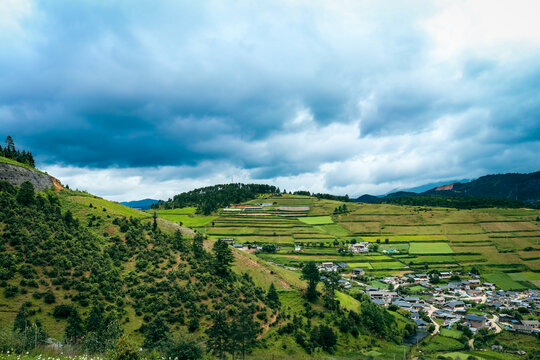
[[186, 218], [433, 259], [430, 248], [333, 229], [503, 281], [348, 301], [112, 208], [488, 355], [525, 276], [316, 220], [180, 211], [441, 343], [16, 163], [454, 334], [387, 265]]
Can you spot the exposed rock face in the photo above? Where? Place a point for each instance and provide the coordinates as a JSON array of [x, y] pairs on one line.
[[16, 175]]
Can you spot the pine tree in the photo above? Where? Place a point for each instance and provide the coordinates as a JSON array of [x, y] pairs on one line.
[[198, 249], [155, 333], [330, 285], [223, 258], [218, 335], [178, 241], [272, 297], [311, 274], [74, 330], [26, 193], [21, 320], [96, 318], [154, 225], [245, 330]]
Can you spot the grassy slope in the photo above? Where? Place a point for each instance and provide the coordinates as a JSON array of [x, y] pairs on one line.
[[16, 163]]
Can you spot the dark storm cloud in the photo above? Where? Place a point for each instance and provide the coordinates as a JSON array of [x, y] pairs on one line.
[[348, 93]]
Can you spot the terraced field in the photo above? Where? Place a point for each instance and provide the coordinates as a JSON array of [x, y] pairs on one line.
[[496, 241]]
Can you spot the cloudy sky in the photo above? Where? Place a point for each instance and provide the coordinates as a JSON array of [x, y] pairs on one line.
[[135, 99]]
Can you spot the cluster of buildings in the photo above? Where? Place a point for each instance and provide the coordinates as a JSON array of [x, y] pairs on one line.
[[451, 302]]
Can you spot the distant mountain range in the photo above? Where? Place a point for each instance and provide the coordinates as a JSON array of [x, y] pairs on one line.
[[516, 187], [425, 187], [140, 204]]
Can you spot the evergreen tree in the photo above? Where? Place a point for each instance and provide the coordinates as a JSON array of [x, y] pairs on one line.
[[21, 320], [245, 330], [311, 274], [154, 225], [330, 285], [26, 194], [155, 333], [178, 241], [272, 297], [223, 258], [218, 335], [9, 146], [95, 320], [198, 249], [74, 330]]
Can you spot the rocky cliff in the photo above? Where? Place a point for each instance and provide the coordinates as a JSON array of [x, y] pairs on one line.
[[16, 175]]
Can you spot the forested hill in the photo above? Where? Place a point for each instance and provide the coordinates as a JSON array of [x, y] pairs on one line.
[[86, 271], [518, 187], [504, 190], [211, 198]]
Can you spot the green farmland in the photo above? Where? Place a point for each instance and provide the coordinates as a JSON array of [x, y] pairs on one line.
[[413, 238], [430, 248], [316, 220]]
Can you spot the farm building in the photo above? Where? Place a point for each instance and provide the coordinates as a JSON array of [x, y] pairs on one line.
[[361, 247], [358, 271], [476, 321], [229, 241]]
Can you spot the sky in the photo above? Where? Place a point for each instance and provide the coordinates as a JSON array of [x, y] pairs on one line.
[[147, 99]]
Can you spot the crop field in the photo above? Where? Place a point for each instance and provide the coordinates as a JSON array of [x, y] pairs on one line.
[[430, 248], [429, 260], [395, 247], [333, 229], [362, 227], [531, 277], [492, 239], [462, 229], [504, 281], [316, 220], [508, 226], [411, 229]]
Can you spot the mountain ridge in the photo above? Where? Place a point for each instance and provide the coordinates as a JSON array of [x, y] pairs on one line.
[[521, 187]]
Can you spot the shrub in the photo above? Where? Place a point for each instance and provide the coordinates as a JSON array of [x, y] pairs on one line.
[[10, 291], [49, 297]]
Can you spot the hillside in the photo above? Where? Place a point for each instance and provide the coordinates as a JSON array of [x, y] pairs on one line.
[[85, 271], [512, 190]]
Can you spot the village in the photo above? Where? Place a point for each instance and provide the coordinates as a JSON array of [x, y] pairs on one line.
[[435, 300]]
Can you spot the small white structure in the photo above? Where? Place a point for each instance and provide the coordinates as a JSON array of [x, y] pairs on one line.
[[297, 248], [361, 247]]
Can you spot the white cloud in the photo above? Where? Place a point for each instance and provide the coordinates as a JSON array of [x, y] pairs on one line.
[[494, 28]]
